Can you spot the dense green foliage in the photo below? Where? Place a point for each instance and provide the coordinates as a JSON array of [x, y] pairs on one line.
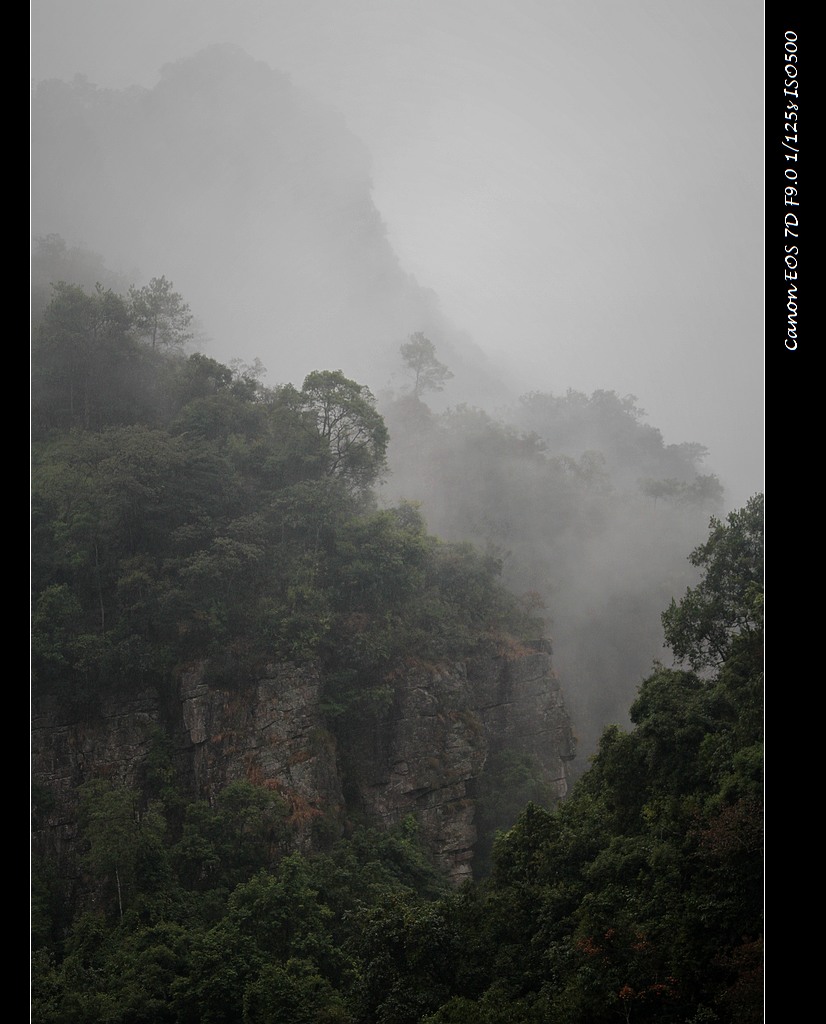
[[639, 898], [183, 512], [215, 920]]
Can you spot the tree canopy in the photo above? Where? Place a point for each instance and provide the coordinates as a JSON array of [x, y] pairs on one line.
[[638, 898], [180, 508], [726, 605], [181, 511], [345, 416]]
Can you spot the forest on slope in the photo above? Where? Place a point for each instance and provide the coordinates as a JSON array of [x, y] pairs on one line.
[[393, 508], [580, 502], [588, 510], [182, 510], [256, 199]]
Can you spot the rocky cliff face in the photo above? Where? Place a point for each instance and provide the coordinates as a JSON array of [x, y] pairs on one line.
[[421, 754]]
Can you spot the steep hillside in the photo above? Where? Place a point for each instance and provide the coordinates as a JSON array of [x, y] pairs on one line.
[[588, 509], [255, 199], [639, 897], [434, 750], [210, 567]]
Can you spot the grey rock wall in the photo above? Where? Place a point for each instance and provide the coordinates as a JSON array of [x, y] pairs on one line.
[[420, 754]]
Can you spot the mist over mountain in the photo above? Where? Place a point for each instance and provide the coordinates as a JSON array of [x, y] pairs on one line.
[[389, 660], [255, 200]]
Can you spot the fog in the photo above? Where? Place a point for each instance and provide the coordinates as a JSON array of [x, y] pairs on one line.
[[561, 195], [580, 183]]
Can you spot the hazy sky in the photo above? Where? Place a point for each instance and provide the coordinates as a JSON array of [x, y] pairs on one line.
[[580, 181]]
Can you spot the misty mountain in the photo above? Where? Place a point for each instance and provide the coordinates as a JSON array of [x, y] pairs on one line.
[[255, 200], [381, 689], [589, 511]]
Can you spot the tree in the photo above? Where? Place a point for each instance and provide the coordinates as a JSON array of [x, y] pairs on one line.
[[84, 365], [125, 840], [160, 314], [223, 845], [727, 605], [295, 992], [419, 354], [406, 950], [344, 414]]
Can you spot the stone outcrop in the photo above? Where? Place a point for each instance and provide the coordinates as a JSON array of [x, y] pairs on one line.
[[421, 753], [273, 733], [425, 753]]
